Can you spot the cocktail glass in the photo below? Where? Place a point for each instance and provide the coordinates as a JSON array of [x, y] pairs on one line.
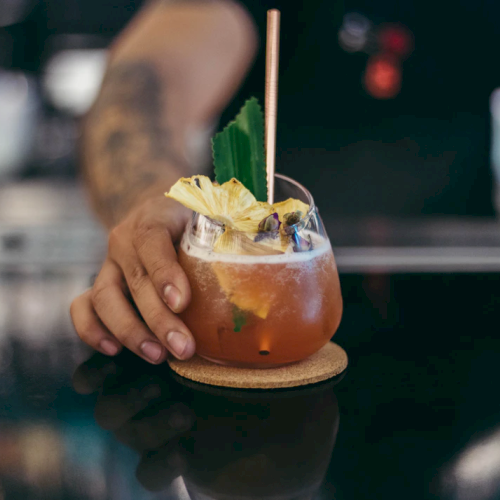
[[267, 309]]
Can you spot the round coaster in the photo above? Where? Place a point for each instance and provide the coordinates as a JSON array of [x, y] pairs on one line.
[[329, 361]]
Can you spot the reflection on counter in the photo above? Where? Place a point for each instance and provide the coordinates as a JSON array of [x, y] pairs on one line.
[[226, 444], [153, 436]]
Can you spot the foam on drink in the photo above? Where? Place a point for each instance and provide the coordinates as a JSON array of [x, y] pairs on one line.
[[191, 246]]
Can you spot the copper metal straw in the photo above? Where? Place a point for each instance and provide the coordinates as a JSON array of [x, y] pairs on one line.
[[272, 64]]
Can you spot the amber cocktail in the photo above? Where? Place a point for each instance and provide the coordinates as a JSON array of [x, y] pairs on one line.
[[262, 310]]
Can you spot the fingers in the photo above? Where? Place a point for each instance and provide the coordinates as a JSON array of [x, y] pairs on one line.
[[90, 328], [142, 256], [156, 252], [167, 327], [120, 318], [154, 279]]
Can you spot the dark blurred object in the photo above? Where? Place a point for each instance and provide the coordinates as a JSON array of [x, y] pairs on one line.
[[15, 11], [60, 48], [424, 150], [280, 449]]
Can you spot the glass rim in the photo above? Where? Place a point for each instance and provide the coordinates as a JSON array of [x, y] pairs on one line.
[[302, 220]]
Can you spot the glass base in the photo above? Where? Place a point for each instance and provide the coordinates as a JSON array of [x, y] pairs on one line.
[[237, 364]]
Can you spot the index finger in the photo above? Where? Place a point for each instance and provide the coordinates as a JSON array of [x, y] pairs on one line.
[[155, 249]]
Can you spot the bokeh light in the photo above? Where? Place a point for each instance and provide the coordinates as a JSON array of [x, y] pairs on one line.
[[395, 39], [73, 78], [382, 78], [353, 34]]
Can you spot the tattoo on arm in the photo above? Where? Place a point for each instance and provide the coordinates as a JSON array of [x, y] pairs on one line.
[[125, 145]]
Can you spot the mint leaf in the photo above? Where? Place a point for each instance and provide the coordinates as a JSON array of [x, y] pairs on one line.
[[239, 319], [238, 150]]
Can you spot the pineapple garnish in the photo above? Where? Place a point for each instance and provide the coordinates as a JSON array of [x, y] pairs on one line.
[[245, 297], [250, 228], [289, 206], [231, 203], [235, 206]]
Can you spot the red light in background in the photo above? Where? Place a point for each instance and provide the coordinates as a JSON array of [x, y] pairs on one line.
[[395, 39], [388, 45], [382, 78]]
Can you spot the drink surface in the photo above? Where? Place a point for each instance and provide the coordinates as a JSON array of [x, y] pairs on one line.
[[291, 303]]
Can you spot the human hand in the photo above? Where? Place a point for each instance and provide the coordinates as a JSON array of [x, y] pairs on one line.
[[170, 74], [140, 289]]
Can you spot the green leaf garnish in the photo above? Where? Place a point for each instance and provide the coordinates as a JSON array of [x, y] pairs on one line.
[[238, 150], [239, 319]]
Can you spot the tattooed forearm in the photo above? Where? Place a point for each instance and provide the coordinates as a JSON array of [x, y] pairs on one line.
[[125, 145]]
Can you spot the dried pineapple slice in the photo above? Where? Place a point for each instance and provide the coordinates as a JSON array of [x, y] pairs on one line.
[[288, 206], [248, 296], [231, 203]]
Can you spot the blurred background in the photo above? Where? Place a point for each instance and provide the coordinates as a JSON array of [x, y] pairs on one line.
[[389, 113], [386, 108]]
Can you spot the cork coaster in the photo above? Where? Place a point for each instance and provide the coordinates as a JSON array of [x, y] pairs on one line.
[[328, 362]]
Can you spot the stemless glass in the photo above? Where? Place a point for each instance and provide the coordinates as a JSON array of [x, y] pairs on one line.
[[262, 311]]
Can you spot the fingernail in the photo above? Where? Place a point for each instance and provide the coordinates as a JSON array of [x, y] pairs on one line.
[[151, 350], [177, 342], [108, 347], [173, 297]]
